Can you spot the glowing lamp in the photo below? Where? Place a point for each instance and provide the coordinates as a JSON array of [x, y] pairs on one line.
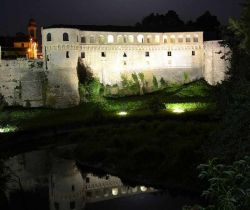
[[178, 110], [122, 113]]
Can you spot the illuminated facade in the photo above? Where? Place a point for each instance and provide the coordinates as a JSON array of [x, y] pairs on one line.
[[112, 54]]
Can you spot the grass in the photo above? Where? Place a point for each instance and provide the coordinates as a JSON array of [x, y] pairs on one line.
[[193, 97]]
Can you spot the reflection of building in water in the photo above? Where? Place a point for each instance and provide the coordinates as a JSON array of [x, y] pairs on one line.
[[68, 187]]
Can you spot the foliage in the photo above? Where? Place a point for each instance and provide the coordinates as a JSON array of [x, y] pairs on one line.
[[155, 83], [185, 77], [228, 185], [163, 83], [84, 73], [240, 27], [232, 141], [155, 105]]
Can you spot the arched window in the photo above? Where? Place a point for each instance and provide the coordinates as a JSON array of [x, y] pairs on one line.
[[110, 39], [172, 39], [101, 39], [148, 39], [131, 39], [119, 39], [48, 37], [65, 37], [157, 38], [165, 39], [140, 38]]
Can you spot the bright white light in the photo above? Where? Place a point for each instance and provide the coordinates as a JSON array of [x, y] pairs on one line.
[[115, 191], [178, 110], [143, 188], [8, 129], [122, 113]]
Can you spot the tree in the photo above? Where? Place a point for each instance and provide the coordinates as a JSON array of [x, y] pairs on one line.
[[228, 185]]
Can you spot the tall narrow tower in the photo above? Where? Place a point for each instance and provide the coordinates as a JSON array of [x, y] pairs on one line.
[[32, 29]]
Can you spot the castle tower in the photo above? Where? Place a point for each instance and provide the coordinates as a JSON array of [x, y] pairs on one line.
[[66, 186], [61, 53], [32, 29]]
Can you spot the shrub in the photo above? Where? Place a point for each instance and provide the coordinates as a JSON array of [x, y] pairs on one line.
[[155, 83]]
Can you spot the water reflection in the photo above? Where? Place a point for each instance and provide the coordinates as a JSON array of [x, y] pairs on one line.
[[44, 180]]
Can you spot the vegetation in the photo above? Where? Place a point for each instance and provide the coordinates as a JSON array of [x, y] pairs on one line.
[[229, 183]]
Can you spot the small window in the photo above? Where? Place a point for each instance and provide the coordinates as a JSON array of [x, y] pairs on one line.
[[188, 39], [169, 53], [165, 40], [82, 54], [172, 39], [48, 37], [92, 39], [87, 179], [77, 39], [124, 63], [22, 45], [193, 53], [67, 54], [72, 205], [125, 55], [56, 205], [147, 54], [110, 39], [73, 188], [196, 39], [180, 40], [65, 37], [103, 54], [83, 39], [125, 39]]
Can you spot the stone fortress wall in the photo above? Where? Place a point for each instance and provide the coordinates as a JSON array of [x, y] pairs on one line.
[[109, 55]]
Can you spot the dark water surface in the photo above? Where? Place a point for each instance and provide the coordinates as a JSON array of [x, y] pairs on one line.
[[50, 180]]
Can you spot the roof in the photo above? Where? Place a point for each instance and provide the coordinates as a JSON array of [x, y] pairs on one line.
[[113, 28]]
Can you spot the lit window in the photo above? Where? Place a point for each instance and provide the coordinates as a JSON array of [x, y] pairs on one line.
[[72, 205], [147, 54], [131, 39], [67, 54], [110, 39], [157, 39], [65, 37], [140, 38], [125, 55], [193, 53], [82, 54], [83, 39], [48, 37], [103, 54], [169, 53], [115, 191]]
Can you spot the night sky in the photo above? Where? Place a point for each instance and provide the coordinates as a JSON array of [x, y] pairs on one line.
[[14, 14]]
